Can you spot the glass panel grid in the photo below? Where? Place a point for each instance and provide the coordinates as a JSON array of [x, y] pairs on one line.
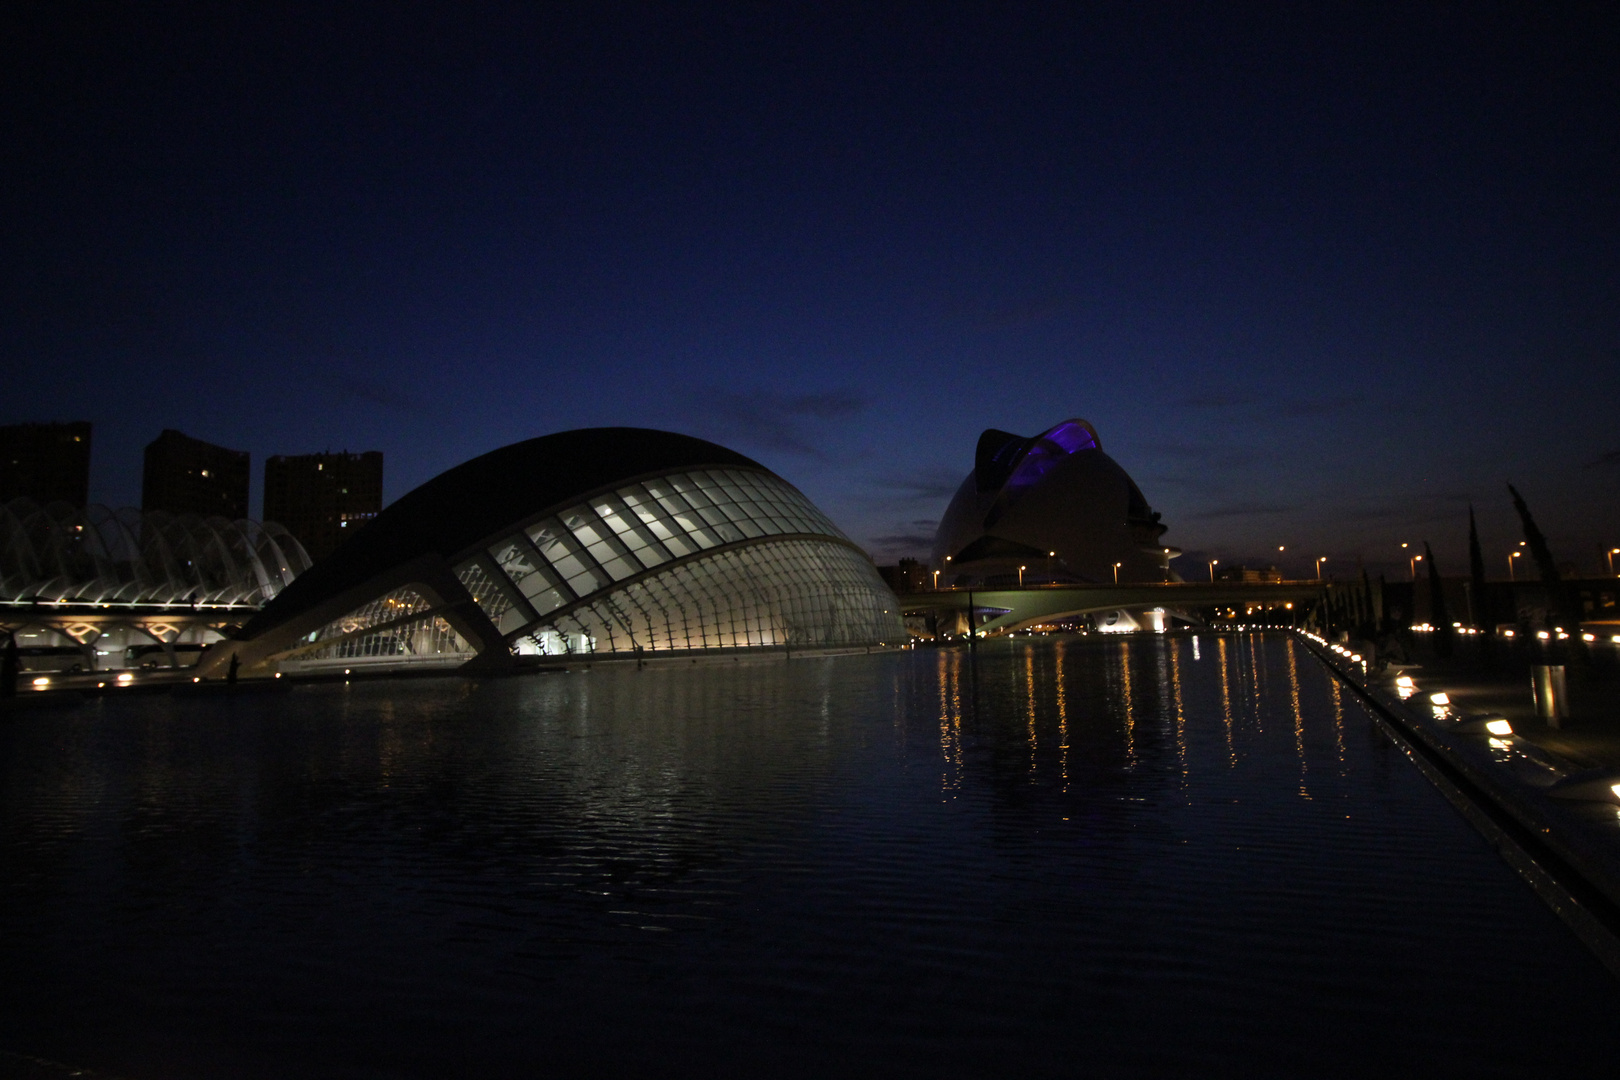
[[735, 598], [804, 593], [490, 597]]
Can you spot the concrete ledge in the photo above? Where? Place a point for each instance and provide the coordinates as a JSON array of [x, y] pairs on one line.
[[1567, 851]]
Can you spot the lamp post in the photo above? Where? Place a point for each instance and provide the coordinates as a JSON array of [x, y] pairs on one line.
[[1319, 563], [936, 581], [1612, 553], [1212, 563], [1511, 556], [1116, 573], [1414, 561], [1021, 577]]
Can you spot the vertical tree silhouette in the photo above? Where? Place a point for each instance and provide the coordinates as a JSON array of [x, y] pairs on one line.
[[1565, 605], [1369, 620], [1476, 575], [1444, 636]]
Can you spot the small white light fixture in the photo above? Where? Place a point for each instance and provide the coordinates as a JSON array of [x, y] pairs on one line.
[[41, 683], [1499, 727], [1440, 699]]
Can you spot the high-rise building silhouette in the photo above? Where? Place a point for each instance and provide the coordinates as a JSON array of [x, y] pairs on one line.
[[323, 498], [188, 476], [45, 462]]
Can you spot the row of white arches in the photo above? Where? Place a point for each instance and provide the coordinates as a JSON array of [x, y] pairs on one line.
[[97, 555]]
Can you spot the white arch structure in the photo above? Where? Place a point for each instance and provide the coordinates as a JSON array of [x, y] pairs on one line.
[[61, 554]]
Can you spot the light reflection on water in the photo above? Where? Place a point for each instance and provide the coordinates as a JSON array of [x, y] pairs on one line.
[[1129, 856]]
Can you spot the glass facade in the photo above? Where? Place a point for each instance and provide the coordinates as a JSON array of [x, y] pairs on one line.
[[398, 626], [805, 593], [627, 571], [717, 558]]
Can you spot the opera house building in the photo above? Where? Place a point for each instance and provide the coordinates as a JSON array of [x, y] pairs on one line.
[[597, 542], [1049, 509]]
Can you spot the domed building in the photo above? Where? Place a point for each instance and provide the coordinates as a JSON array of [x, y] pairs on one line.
[[597, 542], [1053, 508]]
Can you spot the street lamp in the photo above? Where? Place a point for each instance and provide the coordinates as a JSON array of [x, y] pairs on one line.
[[1511, 556], [1116, 573], [936, 581], [1212, 563], [1612, 553], [1319, 563], [1021, 577], [1414, 561]]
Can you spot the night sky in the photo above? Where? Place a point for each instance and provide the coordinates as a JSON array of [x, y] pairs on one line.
[[1319, 275]]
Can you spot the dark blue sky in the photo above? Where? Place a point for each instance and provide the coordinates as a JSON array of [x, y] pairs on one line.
[[1319, 275]]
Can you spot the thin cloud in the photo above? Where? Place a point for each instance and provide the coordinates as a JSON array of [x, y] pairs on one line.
[[933, 485], [376, 393], [785, 422], [1010, 312], [1295, 409], [1242, 510], [911, 545], [913, 538], [1213, 459], [1218, 399], [1333, 406]]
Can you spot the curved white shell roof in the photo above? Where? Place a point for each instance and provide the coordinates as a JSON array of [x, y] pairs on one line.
[[98, 555]]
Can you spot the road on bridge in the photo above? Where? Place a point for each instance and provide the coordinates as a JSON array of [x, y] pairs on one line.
[[1043, 603]]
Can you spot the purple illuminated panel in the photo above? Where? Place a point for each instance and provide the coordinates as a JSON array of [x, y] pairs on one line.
[[1046, 450], [1072, 436]]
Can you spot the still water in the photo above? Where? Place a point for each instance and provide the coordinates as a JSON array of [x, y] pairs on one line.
[[1164, 856]]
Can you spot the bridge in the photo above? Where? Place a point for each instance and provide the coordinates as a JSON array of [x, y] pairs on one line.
[[115, 626], [1019, 608]]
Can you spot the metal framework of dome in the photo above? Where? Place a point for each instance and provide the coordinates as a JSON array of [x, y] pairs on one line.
[[95, 555], [617, 541]]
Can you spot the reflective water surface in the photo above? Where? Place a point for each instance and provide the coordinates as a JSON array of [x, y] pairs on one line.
[[1167, 856]]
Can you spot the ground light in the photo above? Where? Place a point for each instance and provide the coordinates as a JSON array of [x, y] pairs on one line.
[[1488, 724]]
